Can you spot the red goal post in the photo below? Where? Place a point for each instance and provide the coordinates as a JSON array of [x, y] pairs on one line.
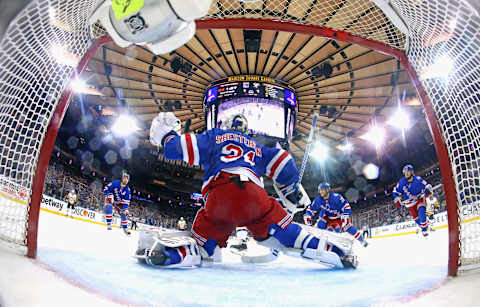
[[50, 42]]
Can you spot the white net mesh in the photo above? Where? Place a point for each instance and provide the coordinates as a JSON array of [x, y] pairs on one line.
[[43, 45], [38, 56], [444, 49], [359, 17]]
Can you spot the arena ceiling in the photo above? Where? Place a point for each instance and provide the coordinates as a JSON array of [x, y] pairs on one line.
[[349, 86]]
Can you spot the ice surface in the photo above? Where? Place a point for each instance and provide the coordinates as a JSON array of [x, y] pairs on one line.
[[391, 270]]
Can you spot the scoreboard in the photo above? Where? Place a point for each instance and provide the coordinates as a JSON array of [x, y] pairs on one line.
[[269, 105], [253, 86]]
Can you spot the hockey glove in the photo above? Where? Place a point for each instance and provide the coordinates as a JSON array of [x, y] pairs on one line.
[[164, 124], [397, 202], [307, 219], [108, 200], [345, 221]]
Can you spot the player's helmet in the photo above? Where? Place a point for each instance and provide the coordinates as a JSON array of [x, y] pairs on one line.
[[73, 191], [236, 122], [324, 185], [407, 167], [239, 123]]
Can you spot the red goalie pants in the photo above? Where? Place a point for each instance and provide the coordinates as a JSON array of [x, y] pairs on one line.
[[229, 206]]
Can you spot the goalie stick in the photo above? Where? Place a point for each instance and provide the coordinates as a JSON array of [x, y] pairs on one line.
[[292, 210], [345, 243], [308, 147]]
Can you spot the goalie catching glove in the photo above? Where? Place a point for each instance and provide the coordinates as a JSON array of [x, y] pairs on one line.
[[163, 126], [160, 25]]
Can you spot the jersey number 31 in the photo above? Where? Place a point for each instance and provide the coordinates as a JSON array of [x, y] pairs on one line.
[[232, 152]]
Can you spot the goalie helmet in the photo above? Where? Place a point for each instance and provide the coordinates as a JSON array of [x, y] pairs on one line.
[[161, 25], [324, 185], [236, 122], [407, 167]]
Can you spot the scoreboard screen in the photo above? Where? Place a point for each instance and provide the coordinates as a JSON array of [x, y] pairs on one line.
[[269, 105], [274, 90]]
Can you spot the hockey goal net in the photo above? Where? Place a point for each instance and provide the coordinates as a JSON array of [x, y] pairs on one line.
[[50, 42]]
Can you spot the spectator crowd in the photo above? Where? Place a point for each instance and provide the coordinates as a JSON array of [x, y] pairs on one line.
[[61, 179]]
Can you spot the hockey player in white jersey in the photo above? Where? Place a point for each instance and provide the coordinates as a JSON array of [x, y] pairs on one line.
[[72, 200], [432, 207], [234, 196]]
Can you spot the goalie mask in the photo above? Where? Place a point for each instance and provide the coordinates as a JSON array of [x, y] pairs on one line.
[[161, 25], [236, 122]]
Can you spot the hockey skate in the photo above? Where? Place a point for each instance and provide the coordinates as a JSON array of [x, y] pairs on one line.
[[425, 233], [349, 261], [126, 231], [364, 243], [109, 227]]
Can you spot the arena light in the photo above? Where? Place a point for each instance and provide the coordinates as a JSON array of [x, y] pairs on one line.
[[124, 125], [78, 86], [319, 152], [376, 136], [440, 68], [400, 120], [63, 56], [345, 147], [371, 171]]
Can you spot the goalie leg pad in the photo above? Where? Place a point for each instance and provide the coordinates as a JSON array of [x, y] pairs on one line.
[[324, 253], [295, 241], [293, 236]]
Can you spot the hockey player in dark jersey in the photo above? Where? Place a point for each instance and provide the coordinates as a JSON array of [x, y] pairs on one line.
[[413, 189], [334, 213], [234, 196], [117, 195]]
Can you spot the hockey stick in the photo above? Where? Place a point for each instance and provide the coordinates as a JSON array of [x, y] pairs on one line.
[[274, 252], [293, 208], [308, 147], [345, 243]]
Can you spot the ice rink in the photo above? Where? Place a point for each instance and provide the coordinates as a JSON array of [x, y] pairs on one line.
[[83, 264]]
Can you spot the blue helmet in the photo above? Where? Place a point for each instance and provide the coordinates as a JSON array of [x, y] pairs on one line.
[[324, 185], [407, 167]]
